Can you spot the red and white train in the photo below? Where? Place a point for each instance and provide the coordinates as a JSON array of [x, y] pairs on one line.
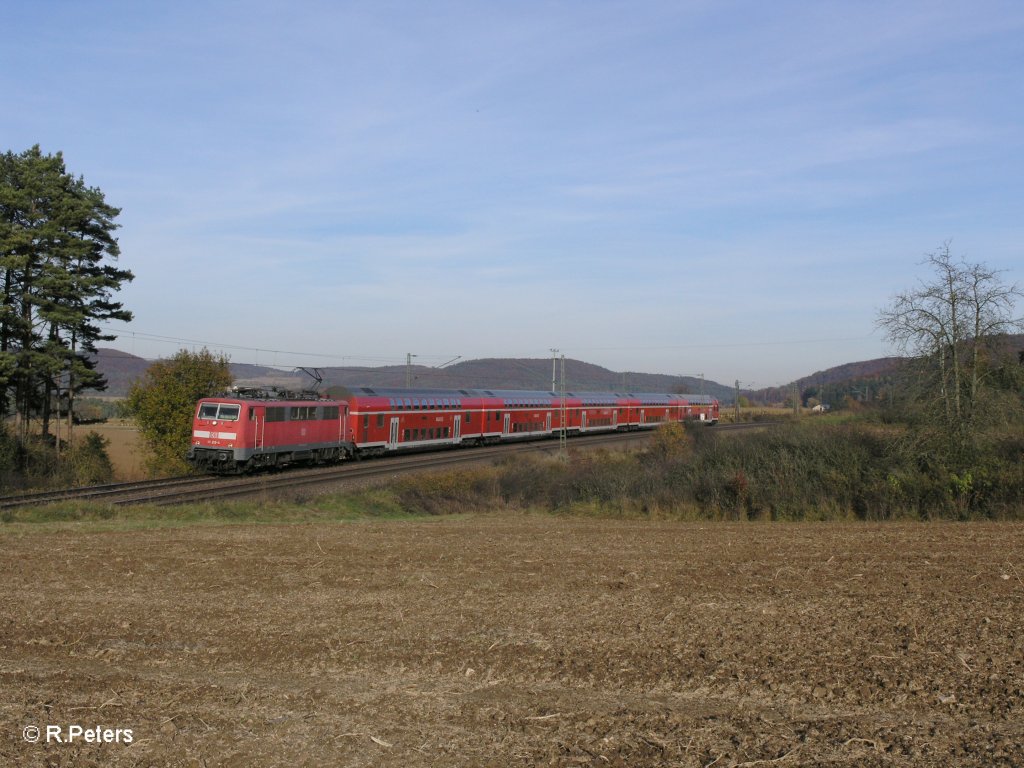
[[253, 429]]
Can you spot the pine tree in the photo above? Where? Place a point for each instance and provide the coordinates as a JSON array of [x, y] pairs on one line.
[[57, 279]]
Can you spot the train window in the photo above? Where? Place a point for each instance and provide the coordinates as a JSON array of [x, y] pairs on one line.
[[252, 414], [275, 414], [366, 422], [405, 435], [330, 413], [380, 420], [408, 403], [221, 411]]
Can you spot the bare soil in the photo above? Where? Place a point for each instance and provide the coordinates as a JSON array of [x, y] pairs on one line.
[[517, 640]]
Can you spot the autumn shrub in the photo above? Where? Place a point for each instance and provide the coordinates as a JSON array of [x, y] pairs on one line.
[[9, 452], [88, 463], [854, 469], [443, 493], [37, 463]]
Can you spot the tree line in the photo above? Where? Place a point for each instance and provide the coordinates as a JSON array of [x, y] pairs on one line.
[[58, 278]]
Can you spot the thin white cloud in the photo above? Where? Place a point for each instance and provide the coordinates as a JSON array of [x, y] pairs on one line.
[[497, 178]]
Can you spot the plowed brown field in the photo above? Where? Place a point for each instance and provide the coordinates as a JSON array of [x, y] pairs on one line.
[[516, 641]]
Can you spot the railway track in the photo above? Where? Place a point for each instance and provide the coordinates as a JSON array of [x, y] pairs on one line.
[[114, 493], [185, 490]]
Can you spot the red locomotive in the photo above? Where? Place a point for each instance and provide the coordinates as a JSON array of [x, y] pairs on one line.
[[252, 429]]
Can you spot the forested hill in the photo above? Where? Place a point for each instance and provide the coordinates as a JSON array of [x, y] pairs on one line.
[[866, 380]]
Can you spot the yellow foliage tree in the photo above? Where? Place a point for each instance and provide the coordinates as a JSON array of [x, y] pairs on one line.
[[162, 405]]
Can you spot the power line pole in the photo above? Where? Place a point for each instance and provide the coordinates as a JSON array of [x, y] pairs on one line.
[[408, 369], [737, 401], [554, 359], [562, 436]]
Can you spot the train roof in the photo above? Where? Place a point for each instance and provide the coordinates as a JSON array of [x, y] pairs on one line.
[[539, 396]]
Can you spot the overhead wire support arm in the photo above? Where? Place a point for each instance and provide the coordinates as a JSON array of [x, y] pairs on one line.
[[314, 373]]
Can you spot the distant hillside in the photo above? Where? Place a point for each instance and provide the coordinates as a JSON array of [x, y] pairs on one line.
[[121, 369], [521, 373]]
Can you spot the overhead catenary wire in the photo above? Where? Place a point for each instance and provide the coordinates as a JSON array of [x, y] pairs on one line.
[[399, 358]]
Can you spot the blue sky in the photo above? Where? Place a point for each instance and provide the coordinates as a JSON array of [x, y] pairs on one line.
[[727, 188]]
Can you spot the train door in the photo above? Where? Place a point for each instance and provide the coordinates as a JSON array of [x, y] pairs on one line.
[[393, 437], [457, 432], [547, 422], [507, 424], [583, 421], [615, 418], [643, 417], [256, 417]]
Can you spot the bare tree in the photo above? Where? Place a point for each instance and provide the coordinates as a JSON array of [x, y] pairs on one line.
[[953, 325]]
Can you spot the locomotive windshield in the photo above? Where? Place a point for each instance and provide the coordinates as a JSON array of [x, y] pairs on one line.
[[221, 411]]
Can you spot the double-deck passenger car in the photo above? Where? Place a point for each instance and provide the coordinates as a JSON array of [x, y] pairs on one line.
[[251, 429]]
